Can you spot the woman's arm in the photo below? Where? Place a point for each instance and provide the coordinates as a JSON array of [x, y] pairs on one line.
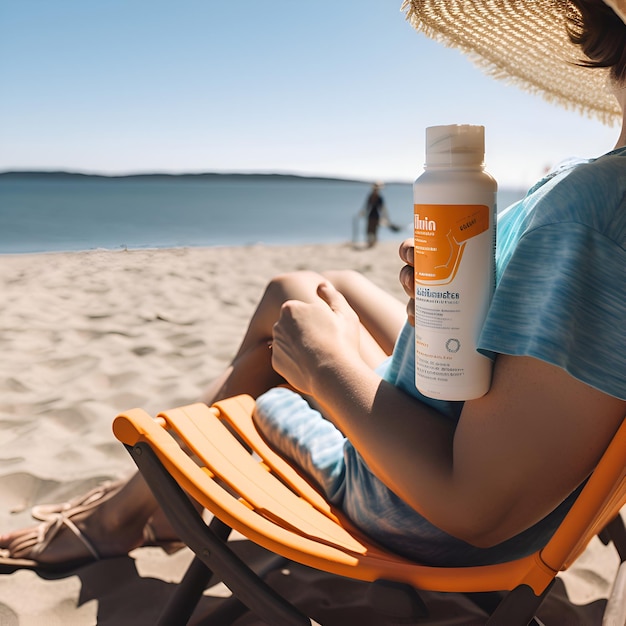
[[514, 456]]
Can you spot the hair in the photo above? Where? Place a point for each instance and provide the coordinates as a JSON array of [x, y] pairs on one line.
[[601, 35]]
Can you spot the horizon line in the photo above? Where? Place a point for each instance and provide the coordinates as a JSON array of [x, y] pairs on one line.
[[286, 174], [191, 174]]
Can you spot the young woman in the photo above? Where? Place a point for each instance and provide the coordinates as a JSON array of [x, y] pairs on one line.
[[446, 483]]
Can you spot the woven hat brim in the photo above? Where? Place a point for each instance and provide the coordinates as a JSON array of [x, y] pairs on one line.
[[521, 42]]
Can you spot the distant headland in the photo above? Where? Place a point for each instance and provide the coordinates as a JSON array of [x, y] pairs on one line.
[[62, 174]]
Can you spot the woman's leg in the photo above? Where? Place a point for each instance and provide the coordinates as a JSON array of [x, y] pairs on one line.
[[381, 315], [251, 370]]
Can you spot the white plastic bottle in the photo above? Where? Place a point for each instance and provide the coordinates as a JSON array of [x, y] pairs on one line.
[[454, 225]]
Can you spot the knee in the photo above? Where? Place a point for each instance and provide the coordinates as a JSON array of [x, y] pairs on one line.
[[292, 285], [296, 279], [342, 278]]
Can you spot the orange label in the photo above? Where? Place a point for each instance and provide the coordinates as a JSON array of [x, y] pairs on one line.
[[441, 232]]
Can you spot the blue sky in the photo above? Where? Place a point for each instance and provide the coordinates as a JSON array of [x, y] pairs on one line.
[[332, 87]]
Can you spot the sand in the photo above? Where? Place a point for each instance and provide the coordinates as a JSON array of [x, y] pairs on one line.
[[86, 335]]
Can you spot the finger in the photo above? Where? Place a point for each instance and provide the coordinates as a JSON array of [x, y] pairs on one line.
[[407, 280], [406, 251]]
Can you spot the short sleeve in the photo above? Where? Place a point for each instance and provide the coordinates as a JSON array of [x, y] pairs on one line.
[[562, 299]]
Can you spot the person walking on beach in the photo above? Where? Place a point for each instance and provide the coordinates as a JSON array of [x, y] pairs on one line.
[[446, 483], [375, 212]]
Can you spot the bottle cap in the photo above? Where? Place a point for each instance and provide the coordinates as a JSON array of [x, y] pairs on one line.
[[456, 144]]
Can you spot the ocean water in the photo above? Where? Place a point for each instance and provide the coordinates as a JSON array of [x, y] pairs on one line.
[[47, 212]]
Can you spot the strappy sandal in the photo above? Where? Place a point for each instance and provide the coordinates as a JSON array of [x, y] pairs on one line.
[[40, 539], [92, 499], [83, 502]]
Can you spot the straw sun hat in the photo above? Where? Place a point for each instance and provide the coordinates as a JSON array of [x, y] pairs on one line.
[[523, 42]]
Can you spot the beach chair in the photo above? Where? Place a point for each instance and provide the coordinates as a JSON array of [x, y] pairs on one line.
[[251, 489]]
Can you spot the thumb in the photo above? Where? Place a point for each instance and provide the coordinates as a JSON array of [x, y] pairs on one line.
[[333, 298]]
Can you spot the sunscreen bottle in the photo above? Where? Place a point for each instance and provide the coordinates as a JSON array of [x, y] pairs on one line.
[[454, 226]]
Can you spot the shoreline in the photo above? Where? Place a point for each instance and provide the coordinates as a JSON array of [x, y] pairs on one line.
[[355, 247]]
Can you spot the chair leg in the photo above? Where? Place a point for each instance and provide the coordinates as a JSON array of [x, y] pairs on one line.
[[185, 598], [615, 531], [209, 546], [518, 607], [232, 608], [488, 601]]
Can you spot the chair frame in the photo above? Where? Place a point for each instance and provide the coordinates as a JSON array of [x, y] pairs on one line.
[[276, 507]]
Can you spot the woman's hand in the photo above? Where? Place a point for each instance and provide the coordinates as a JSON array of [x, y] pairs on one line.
[[311, 336], [407, 279]]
